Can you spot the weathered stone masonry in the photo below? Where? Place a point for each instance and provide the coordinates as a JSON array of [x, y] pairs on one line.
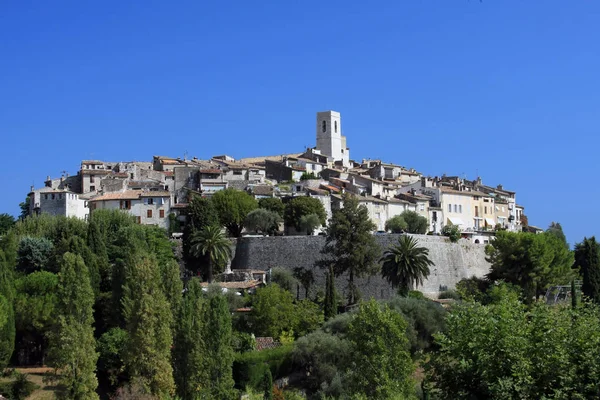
[[452, 261]]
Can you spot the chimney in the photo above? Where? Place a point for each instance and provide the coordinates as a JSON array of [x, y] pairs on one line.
[[500, 187]]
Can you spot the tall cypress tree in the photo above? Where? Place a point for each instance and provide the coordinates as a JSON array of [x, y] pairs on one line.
[[148, 321], [587, 258], [188, 352], [72, 345], [218, 353], [7, 330]]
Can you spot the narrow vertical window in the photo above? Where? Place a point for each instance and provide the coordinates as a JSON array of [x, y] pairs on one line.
[[149, 214], [324, 126], [335, 125]]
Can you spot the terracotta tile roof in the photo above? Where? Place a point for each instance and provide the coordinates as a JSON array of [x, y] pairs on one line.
[[92, 162], [180, 205], [126, 195], [464, 192], [252, 160], [264, 343], [235, 285], [155, 193], [211, 171], [332, 188], [95, 171], [262, 190], [168, 173]]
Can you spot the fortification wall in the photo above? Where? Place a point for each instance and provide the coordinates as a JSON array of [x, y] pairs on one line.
[[452, 261]]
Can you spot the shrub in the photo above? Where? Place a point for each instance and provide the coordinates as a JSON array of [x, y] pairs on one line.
[[249, 368], [452, 232], [18, 389], [396, 224], [424, 317], [449, 294], [415, 294]]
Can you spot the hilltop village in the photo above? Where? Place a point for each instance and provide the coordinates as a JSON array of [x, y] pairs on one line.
[[157, 192]]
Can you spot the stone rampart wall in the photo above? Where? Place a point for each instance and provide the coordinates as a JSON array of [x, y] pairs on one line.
[[452, 261]]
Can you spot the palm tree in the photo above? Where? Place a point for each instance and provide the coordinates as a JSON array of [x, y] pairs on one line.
[[405, 264], [213, 242]]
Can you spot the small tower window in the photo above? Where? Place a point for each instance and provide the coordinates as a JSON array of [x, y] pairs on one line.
[[335, 126], [324, 126]]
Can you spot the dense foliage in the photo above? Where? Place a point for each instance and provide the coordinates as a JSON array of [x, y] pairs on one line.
[[507, 350], [350, 247], [299, 207], [406, 264], [232, 207]]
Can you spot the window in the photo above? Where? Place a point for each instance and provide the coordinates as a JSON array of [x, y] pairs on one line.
[[149, 213], [449, 207], [45, 197], [455, 208], [324, 126], [150, 201], [91, 178], [422, 207], [485, 210], [92, 188], [139, 220], [460, 208], [335, 125], [475, 197], [476, 211], [60, 196], [125, 204], [131, 175], [161, 213], [52, 196]]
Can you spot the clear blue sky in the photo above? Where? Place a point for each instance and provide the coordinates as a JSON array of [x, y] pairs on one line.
[[508, 90]]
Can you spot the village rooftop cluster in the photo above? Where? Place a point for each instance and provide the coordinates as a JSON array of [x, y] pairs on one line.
[[157, 191]]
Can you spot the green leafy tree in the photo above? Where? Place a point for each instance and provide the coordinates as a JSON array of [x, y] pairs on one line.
[[424, 317], [306, 278], [147, 356], [233, 206], [587, 258], [350, 246], [210, 241], [35, 303], [396, 224], [298, 207], [24, 206], [72, 346], [7, 327], [452, 232], [218, 352], [7, 221], [272, 311], [405, 264], [188, 354], [111, 348], [272, 204], [506, 350], [415, 223], [555, 229], [380, 365], [284, 278], [34, 254], [263, 221], [528, 261], [172, 287], [309, 223]]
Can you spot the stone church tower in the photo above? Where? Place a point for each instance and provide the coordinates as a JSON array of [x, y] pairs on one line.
[[329, 137]]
